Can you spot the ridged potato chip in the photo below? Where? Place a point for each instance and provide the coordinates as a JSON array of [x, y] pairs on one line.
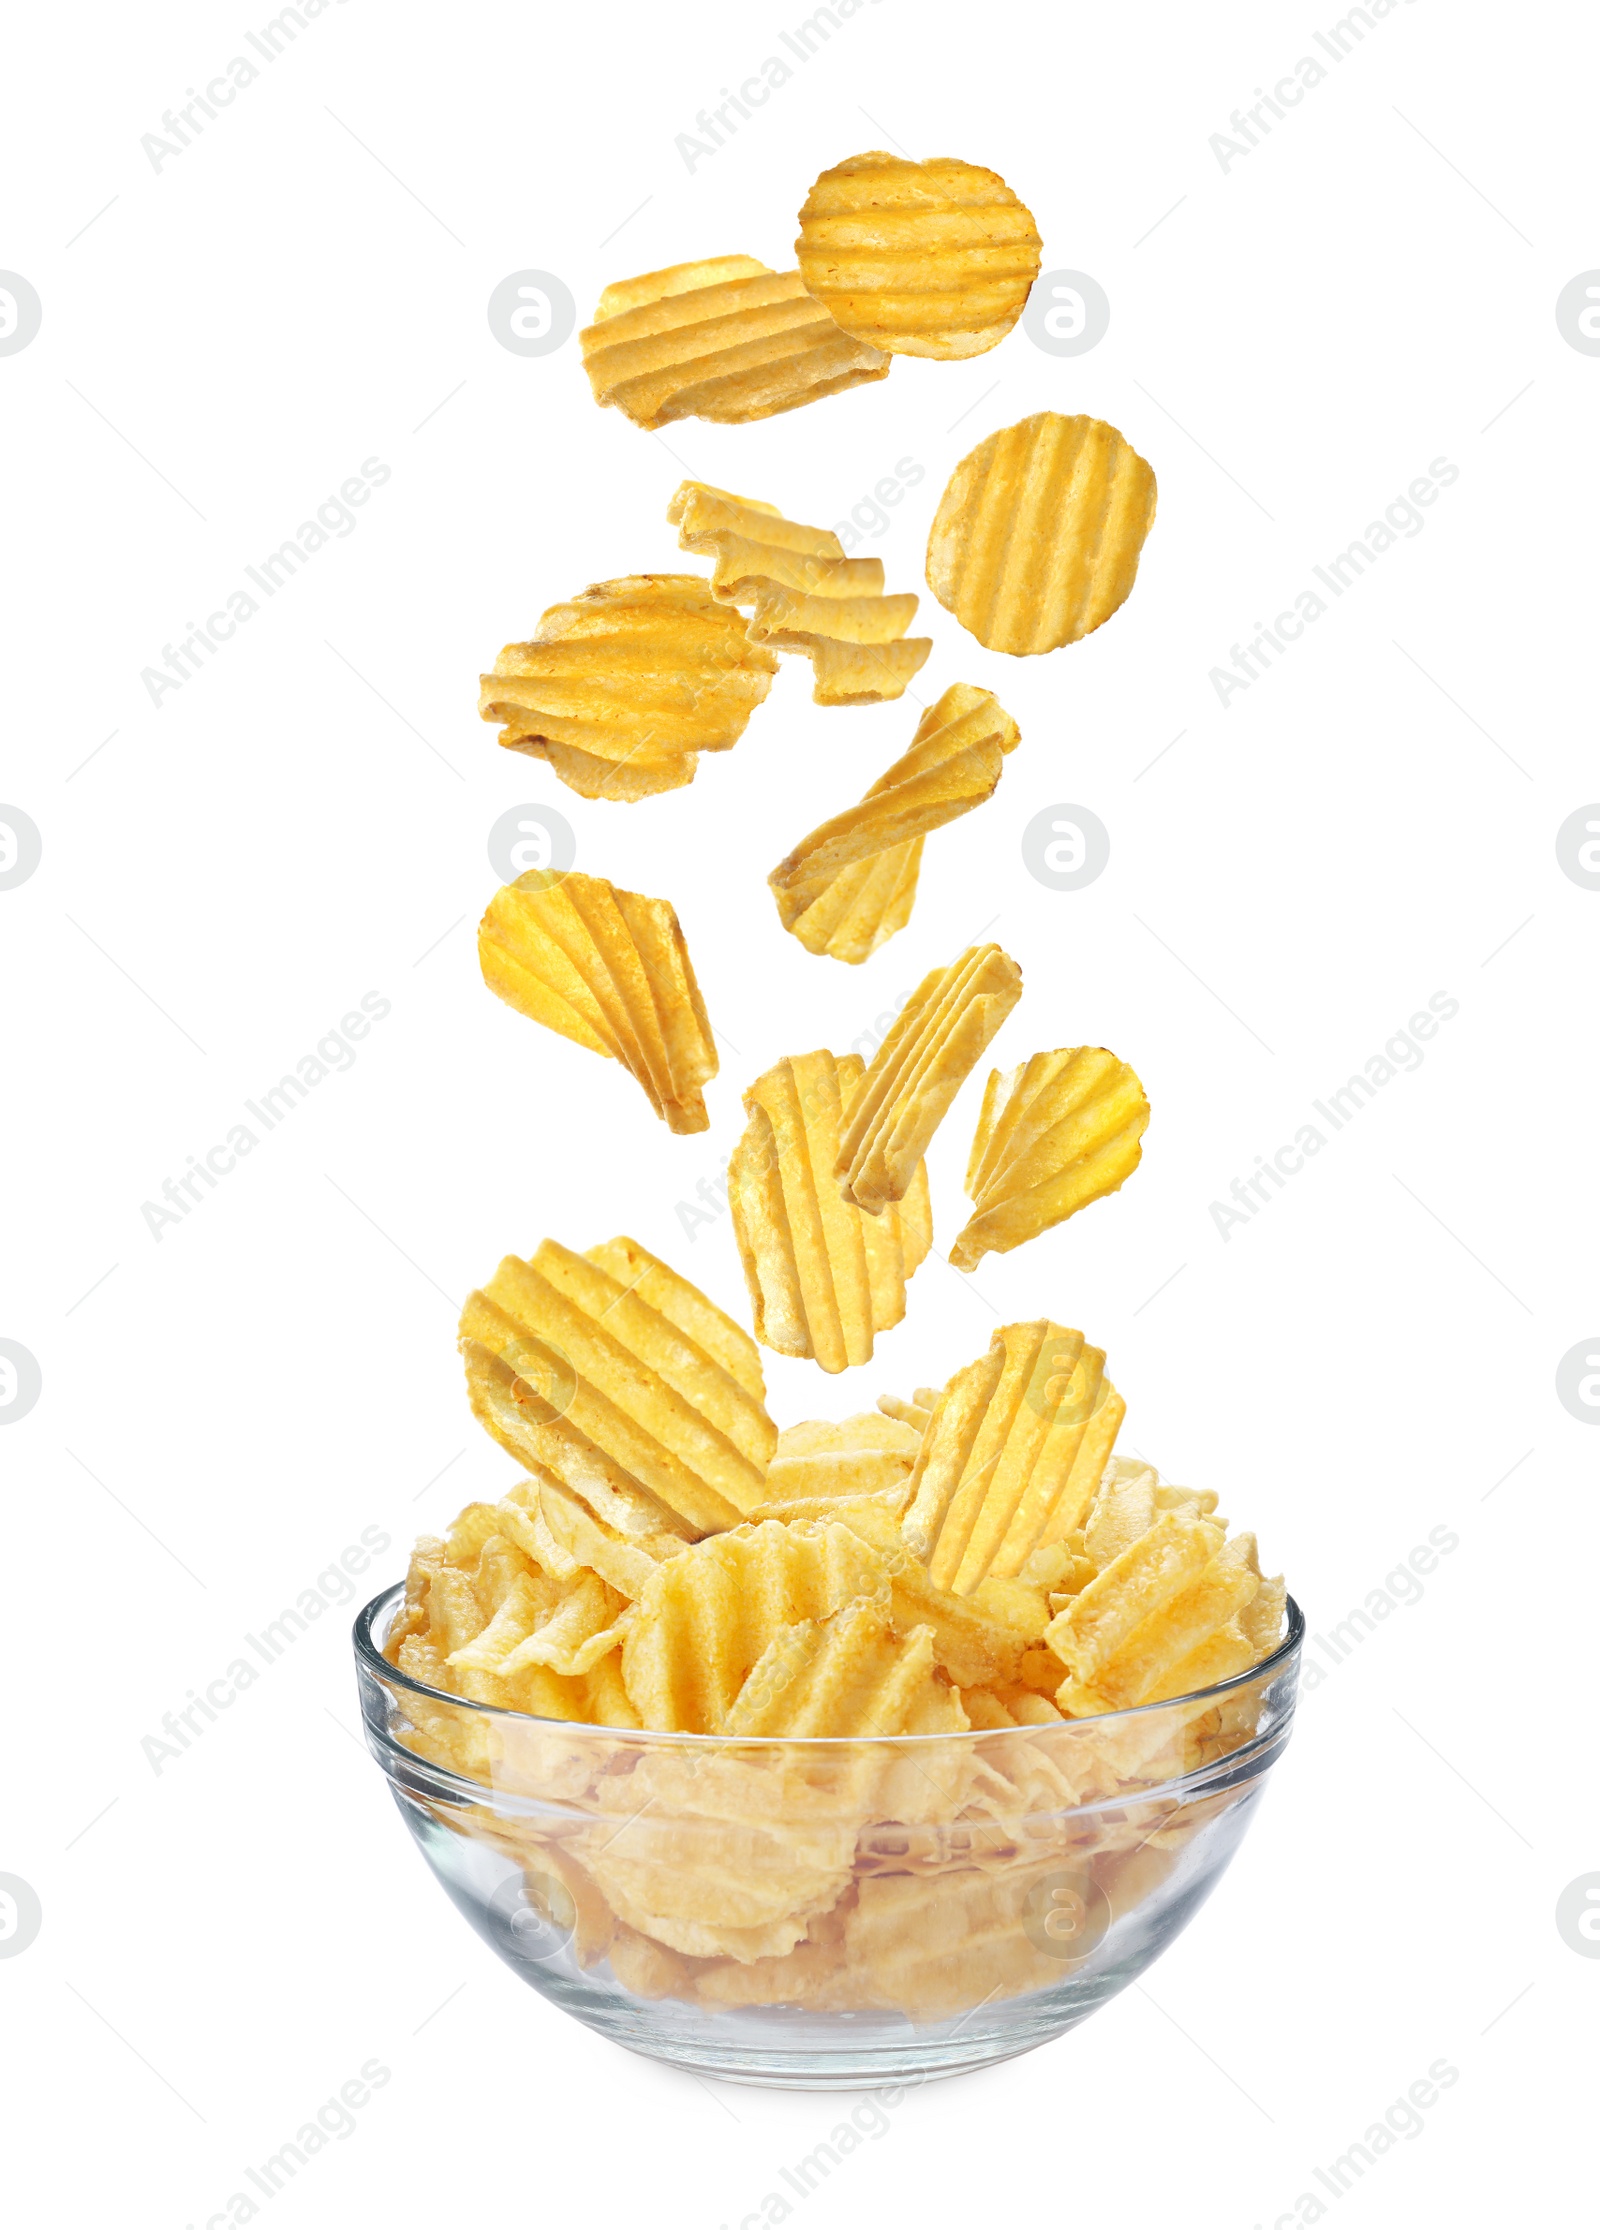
[[917, 1413], [824, 1277], [921, 259], [937, 1040], [1037, 537], [804, 594], [1059, 1131], [725, 339], [706, 1617], [844, 1675], [623, 687], [847, 887], [610, 970], [623, 1381], [1012, 1457], [818, 1464]]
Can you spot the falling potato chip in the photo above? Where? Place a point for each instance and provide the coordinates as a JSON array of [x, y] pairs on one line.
[[824, 1277], [848, 886], [624, 1382], [725, 339], [804, 594], [937, 1040], [1037, 536], [624, 686], [611, 971], [846, 1674], [921, 259], [1012, 1457], [705, 1617], [1057, 1132]]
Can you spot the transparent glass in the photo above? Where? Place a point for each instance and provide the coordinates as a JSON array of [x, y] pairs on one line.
[[828, 1914]]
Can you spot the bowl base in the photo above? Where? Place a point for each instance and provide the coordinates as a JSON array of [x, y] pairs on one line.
[[905, 2069]]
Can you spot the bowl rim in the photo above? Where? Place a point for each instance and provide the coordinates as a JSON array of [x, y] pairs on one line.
[[370, 1659]]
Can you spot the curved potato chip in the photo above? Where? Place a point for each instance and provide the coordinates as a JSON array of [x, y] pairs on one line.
[[1037, 537], [847, 887], [610, 970], [935, 1043], [1061, 1130], [623, 687], [824, 1277], [921, 259], [725, 339]]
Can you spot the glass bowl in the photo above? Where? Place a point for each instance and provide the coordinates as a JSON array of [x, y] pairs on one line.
[[828, 1914]]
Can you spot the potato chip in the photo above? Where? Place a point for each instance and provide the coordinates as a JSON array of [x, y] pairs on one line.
[[937, 1040], [917, 1413], [824, 1277], [640, 1397], [624, 686], [937, 1945], [818, 1464], [1037, 536], [706, 1616], [1060, 1130], [847, 887], [921, 259], [1012, 1456], [1137, 1584], [610, 970], [725, 339], [847, 1674], [804, 594], [975, 1649]]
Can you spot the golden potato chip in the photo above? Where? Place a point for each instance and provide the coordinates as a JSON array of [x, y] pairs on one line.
[[725, 339], [713, 1888], [818, 1464], [973, 1647], [824, 1277], [567, 1537], [848, 886], [705, 1617], [921, 259], [624, 686], [937, 1040], [1137, 1584], [846, 1674], [804, 594], [1191, 1640], [1037, 536], [639, 1396], [1012, 1456], [611, 971], [935, 1945], [1060, 1130]]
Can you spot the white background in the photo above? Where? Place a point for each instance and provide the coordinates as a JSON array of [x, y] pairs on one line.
[[1292, 342]]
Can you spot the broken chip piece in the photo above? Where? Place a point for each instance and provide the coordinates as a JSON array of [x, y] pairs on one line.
[[1037, 537], [847, 887], [1057, 1132], [921, 259], [804, 594]]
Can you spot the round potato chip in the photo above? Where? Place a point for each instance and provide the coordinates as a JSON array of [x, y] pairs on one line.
[[919, 259], [1037, 536]]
